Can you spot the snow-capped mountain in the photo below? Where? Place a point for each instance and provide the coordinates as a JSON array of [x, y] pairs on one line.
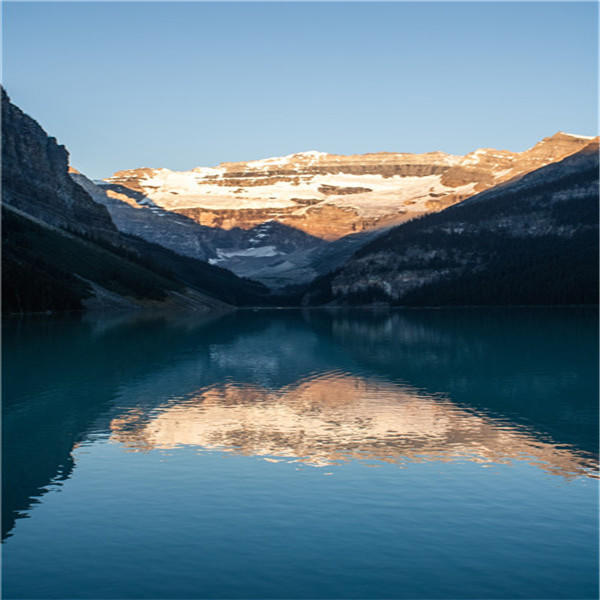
[[248, 252], [286, 220], [330, 196]]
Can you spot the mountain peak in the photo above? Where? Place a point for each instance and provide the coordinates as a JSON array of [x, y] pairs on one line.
[[559, 145], [573, 135]]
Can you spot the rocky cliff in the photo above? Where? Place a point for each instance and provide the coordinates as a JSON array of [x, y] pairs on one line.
[[35, 178], [170, 230]]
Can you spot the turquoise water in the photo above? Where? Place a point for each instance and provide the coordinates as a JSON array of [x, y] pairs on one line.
[[288, 454]]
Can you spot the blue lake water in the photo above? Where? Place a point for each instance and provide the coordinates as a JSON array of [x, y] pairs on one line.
[[288, 454]]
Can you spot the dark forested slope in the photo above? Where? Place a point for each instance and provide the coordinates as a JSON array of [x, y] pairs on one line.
[[61, 250], [533, 240]]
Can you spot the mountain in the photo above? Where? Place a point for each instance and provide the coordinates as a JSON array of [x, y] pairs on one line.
[[531, 240], [330, 196], [257, 253], [170, 230], [62, 251], [155, 237], [286, 220]]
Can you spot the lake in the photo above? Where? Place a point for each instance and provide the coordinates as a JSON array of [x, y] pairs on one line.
[[288, 454]]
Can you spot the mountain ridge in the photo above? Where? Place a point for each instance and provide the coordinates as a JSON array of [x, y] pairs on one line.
[[329, 195]]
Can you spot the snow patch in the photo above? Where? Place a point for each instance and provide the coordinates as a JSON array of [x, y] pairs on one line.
[[258, 252], [583, 137], [396, 193], [279, 161]]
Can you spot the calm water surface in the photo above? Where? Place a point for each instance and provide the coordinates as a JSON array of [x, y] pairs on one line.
[[417, 454]]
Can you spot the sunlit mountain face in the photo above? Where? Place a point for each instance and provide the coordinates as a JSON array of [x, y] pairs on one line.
[[334, 417], [328, 195]]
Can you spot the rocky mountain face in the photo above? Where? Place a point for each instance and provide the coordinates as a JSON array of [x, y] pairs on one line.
[[330, 196], [62, 251], [35, 179], [270, 252], [154, 225], [531, 240]]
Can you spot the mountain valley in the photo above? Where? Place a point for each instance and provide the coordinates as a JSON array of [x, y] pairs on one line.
[[286, 220], [311, 228]]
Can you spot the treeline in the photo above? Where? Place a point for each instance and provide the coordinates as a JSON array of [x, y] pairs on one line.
[[210, 279], [39, 266], [487, 268], [545, 270], [38, 287]]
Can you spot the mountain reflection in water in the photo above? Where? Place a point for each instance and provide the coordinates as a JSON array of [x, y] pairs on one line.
[[336, 417], [489, 386]]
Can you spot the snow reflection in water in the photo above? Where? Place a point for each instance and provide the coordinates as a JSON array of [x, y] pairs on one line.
[[337, 416]]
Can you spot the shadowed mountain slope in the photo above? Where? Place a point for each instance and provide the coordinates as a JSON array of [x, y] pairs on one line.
[[62, 251], [533, 240]]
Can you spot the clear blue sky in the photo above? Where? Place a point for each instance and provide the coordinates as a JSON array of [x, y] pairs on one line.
[[180, 85]]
